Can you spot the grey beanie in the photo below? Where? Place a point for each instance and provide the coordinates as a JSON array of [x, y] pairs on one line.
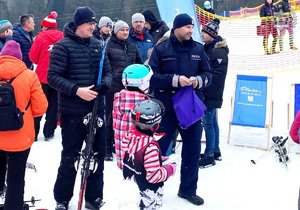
[[104, 21], [4, 25], [120, 24], [137, 17]]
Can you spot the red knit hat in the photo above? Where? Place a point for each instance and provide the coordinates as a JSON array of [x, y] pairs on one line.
[[50, 20]]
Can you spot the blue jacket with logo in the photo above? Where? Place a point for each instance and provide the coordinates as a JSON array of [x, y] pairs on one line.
[[171, 59]]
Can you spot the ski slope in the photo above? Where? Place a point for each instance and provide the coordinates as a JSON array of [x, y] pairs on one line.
[[232, 184]]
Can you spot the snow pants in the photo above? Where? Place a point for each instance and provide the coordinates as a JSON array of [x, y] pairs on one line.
[[191, 146], [51, 114], [2, 169], [16, 165], [74, 132]]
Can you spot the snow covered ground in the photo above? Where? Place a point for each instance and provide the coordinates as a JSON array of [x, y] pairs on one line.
[[233, 184]]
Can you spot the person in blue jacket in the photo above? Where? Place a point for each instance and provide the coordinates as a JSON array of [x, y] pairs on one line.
[[22, 33], [139, 35], [177, 62]]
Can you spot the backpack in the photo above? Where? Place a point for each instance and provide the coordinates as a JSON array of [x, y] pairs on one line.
[[11, 117]]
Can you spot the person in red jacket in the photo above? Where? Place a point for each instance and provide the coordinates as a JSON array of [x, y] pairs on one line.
[[295, 135], [40, 55], [295, 129], [16, 143]]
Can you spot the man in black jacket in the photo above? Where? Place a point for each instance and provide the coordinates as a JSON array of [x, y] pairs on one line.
[[217, 51], [121, 53], [73, 71], [179, 62], [156, 28]]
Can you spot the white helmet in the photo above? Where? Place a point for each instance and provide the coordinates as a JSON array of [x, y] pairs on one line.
[[207, 5]]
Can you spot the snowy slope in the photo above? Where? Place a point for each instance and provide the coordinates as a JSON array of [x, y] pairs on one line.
[[234, 183]]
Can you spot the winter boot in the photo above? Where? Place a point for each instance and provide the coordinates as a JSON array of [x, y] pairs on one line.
[[206, 162], [49, 137], [62, 205], [109, 155], [194, 199], [218, 156], [94, 205]]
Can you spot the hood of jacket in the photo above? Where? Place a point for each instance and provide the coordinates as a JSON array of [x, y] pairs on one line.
[[10, 67], [136, 140], [52, 36], [218, 42]]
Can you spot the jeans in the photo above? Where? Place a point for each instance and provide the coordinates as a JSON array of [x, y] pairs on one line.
[[16, 165], [211, 128]]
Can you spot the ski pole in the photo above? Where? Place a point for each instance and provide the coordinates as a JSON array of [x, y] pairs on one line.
[[262, 156]]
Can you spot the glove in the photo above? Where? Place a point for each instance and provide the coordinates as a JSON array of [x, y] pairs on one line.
[[103, 89], [171, 169]]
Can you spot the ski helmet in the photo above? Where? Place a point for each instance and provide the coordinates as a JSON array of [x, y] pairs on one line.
[[207, 5], [137, 75], [147, 114]]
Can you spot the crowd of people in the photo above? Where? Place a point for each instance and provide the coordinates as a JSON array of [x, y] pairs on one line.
[[142, 66], [276, 19]]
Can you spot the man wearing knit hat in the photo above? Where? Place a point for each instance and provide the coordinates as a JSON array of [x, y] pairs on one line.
[[40, 55], [139, 35], [121, 53], [73, 72], [23, 34], [103, 30], [180, 62], [217, 50], [5, 32]]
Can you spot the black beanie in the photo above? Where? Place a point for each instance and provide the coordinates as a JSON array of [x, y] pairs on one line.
[[182, 20], [84, 15], [149, 17], [212, 28]]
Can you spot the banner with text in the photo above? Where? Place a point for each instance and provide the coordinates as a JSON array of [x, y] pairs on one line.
[[168, 9], [250, 101]]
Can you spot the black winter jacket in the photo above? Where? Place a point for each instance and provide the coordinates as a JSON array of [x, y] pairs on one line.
[[158, 27], [74, 63], [170, 58], [217, 51], [267, 10], [121, 54], [158, 30], [285, 6], [25, 40], [103, 38]]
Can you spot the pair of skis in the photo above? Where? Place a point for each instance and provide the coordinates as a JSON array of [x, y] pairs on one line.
[[93, 122]]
